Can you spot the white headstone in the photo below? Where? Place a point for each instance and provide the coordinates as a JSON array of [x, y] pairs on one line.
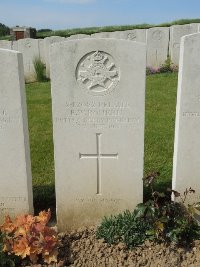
[[47, 42], [137, 35], [194, 27], [78, 36], [15, 175], [98, 118], [15, 45], [176, 32], [42, 50], [5, 44], [186, 167], [157, 46], [115, 34], [30, 50]]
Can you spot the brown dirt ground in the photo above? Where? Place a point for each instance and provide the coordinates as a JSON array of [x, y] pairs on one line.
[[81, 249]]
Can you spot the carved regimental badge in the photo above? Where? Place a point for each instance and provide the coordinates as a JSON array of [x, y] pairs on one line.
[[97, 73]]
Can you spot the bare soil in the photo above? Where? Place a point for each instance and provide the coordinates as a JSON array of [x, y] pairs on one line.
[[81, 249]]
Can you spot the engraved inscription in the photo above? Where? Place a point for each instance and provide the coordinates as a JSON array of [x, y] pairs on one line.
[[7, 120], [131, 36], [12, 199], [191, 114], [98, 115], [99, 200], [98, 156], [176, 45], [157, 35], [27, 44], [7, 210], [97, 73], [8, 205]]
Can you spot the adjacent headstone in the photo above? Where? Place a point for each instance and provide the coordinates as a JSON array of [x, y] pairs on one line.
[[186, 166], [98, 119], [78, 36], [30, 50], [137, 35], [176, 32], [42, 50], [5, 44], [157, 46], [115, 34], [15, 176], [47, 42], [15, 45]]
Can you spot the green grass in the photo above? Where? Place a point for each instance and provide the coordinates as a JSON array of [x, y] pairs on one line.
[[5, 37], [159, 125], [41, 143], [159, 134]]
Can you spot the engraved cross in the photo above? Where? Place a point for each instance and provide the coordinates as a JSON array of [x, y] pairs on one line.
[[98, 156]]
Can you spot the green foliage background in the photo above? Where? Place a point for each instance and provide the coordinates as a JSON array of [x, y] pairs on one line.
[[42, 33], [4, 30]]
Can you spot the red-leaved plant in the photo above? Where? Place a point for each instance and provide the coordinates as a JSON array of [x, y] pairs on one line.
[[29, 236]]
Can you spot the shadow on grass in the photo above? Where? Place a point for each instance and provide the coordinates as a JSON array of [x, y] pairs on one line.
[[44, 198]]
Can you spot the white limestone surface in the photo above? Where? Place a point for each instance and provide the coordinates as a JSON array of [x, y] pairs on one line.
[[78, 36], [30, 49], [137, 35], [157, 46], [186, 165], [176, 32], [15, 45], [5, 44], [42, 54], [15, 175], [115, 34], [98, 119], [47, 42]]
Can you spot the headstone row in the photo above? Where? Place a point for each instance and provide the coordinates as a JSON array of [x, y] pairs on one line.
[[98, 128], [161, 42], [98, 119]]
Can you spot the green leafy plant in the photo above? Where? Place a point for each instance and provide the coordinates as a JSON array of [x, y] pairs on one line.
[[168, 66], [39, 70], [158, 219], [123, 228]]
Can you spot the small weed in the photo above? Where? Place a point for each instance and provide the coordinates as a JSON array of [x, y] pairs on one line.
[[39, 70], [167, 67]]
